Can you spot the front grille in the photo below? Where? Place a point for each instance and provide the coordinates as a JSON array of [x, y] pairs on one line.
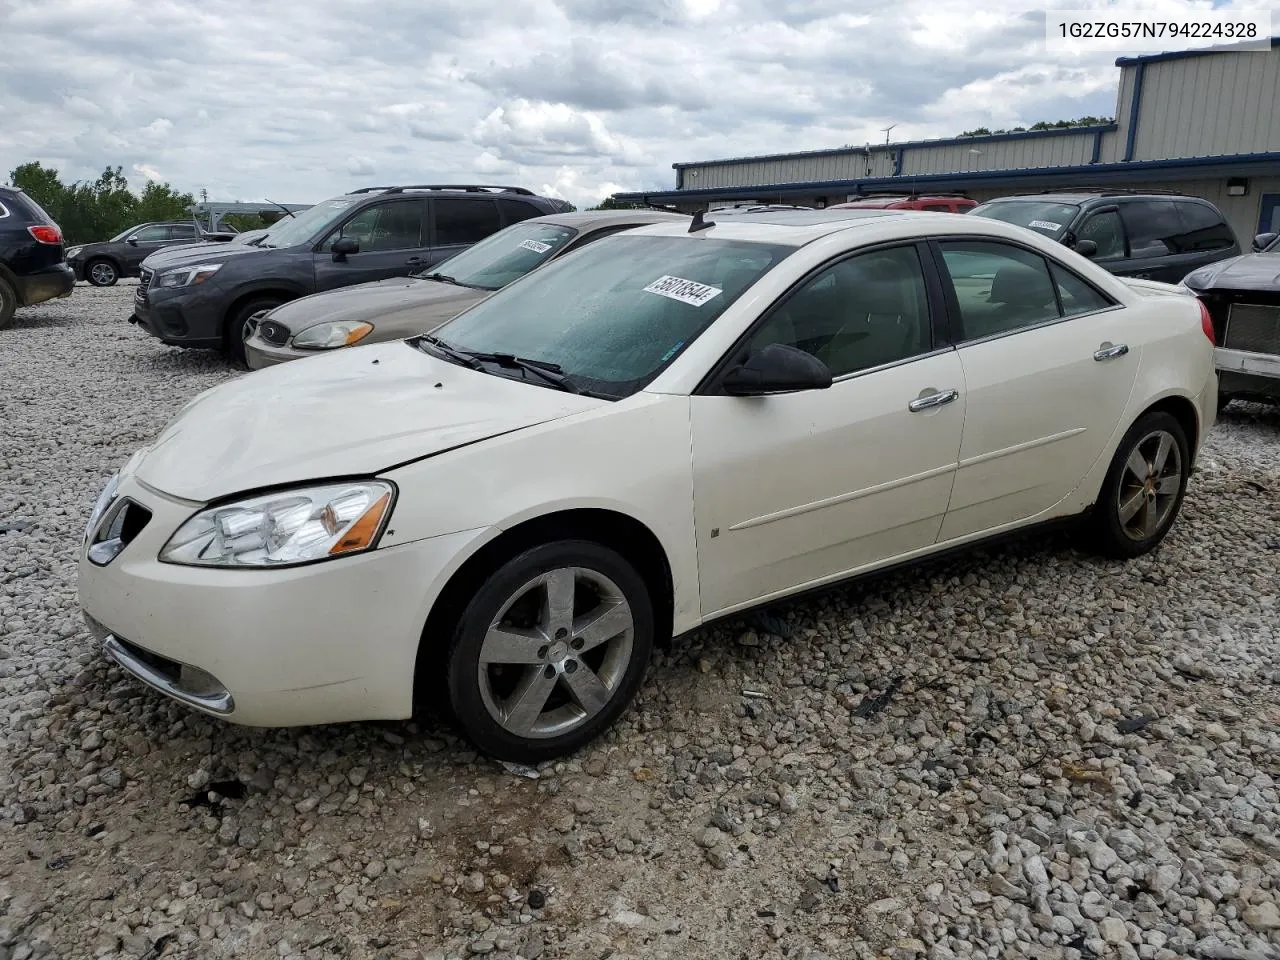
[[1254, 327], [273, 332]]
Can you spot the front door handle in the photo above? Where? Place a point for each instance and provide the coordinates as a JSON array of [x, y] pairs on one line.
[[1109, 351], [414, 261], [930, 400]]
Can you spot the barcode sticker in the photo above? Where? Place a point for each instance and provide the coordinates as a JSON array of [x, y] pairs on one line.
[[1044, 224], [686, 291], [535, 245]]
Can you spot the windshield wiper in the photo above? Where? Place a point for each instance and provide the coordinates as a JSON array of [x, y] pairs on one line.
[[548, 373], [461, 357], [441, 277]]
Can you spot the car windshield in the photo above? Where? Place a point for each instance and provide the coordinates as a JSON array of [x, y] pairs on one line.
[[1043, 216], [612, 316], [301, 227], [507, 255]]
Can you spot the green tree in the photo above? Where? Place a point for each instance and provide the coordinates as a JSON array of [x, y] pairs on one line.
[[613, 203]]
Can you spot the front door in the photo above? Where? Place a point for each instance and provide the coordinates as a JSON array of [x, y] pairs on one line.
[[392, 239], [142, 244], [795, 489], [1048, 374]]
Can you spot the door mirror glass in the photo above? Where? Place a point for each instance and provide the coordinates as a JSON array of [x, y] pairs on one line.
[[1263, 240], [1086, 248], [777, 368], [344, 246]]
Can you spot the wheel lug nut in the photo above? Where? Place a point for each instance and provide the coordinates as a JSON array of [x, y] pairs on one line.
[[542, 652], [550, 672], [577, 643], [561, 633], [571, 666]]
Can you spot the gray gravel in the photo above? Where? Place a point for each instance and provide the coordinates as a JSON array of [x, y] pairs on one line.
[[1074, 759]]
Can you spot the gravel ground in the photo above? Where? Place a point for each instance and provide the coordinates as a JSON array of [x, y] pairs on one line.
[[1022, 753]]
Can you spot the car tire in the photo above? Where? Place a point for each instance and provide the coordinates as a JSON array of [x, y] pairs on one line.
[[1144, 488], [101, 272], [8, 303], [580, 629], [233, 337]]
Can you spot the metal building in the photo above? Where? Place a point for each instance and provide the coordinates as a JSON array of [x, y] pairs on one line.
[[1202, 122]]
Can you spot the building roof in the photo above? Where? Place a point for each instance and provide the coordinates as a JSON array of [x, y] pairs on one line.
[[1184, 54]]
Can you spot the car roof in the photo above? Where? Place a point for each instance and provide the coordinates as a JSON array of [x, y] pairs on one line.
[[794, 227], [1081, 196], [607, 218]]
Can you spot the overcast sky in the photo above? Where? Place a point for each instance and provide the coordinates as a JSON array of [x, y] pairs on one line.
[[298, 100]]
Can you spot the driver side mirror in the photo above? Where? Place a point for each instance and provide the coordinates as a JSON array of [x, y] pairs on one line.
[[1263, 240], [777, 368], [1086, 248], [132, 241], [343, 246]]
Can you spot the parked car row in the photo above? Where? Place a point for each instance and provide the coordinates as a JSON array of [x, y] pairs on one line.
[[503, 516], [103, 264]]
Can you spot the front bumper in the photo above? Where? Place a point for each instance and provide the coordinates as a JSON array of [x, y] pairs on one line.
[[1248, 375], [178, 318], [258, 353], [50, 284], [329, 642]]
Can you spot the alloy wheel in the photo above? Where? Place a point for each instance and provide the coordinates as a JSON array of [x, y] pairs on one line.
[[1149, 485], [103, 274], [556, 653]]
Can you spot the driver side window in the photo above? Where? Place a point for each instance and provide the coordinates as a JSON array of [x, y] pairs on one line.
[[152, 234], [863, 312], [1106, 230]]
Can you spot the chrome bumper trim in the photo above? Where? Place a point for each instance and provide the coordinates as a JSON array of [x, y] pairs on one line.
[[1245, 361], [220, 704]]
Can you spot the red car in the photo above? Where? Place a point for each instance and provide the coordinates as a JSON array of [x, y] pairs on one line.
[[944, 204]]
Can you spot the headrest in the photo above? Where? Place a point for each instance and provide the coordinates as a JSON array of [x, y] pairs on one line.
[[1020, 285]]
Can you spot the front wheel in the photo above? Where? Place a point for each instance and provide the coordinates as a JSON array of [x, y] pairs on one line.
[[101, 273], [1144, 488], [241, 324], [550, 651]]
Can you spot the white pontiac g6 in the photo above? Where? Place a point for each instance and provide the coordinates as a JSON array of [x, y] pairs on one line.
[[669, 426]]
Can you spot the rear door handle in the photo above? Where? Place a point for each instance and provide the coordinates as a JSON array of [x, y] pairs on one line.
[[413, 261], [931, 400], [1109, 351]]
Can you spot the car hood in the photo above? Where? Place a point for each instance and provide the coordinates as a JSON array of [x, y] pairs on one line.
[[199, 253], [173, 254], [347, 413], [397, 308], [1253, 271]]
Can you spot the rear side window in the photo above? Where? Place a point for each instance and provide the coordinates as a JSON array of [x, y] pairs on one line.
[[1154, 227], [1075, 295], [182, 231], [1203, 228], [513, 211], [464, 221], [4, 211]]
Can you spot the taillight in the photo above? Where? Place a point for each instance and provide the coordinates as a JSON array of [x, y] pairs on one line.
[[1206, 322], [45, 234]]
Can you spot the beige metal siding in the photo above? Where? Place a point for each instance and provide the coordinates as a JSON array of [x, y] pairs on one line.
[[744, 173], [1055, 151], [1210, 106]]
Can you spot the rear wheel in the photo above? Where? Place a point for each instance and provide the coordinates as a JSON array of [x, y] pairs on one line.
[[242, 324], [8, 303], [1144, 488], [101, 273], [549, 651]]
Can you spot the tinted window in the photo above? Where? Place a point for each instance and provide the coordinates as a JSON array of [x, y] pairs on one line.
[[396, 225], [1153, 227], [182, 231], [1107, 231], [148, 234], [513, 211], [464, 221], [1076, 295], [862, 312], [506, 255], [999, 288], [1043, 216], [613, 315], [1203, 228], [939, 207]]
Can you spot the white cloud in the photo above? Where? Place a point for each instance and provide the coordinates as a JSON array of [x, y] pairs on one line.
[[148, 171], [295, 100]]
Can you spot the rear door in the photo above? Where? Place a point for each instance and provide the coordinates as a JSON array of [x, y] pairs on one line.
[[458, 222], [1047, 373], [1156, 232], [391, 235]]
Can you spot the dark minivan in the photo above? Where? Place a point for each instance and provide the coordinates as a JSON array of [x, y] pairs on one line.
[[207, 297], [1148, 235], [32, 267]]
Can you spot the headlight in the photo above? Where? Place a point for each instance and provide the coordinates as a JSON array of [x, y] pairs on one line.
[[287, 527], [72, 251], [339, 333], [187, 276], [104, 500]]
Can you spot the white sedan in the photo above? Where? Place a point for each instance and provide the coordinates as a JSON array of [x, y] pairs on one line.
[[666, 427]]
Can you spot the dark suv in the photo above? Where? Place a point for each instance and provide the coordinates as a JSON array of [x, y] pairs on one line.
[[207, 298], [1149, 235], [32, 268], [102, 264]]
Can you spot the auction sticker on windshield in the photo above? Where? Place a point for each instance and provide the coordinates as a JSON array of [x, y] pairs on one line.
[[536, 246], [686, 291], [1044, 225]]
